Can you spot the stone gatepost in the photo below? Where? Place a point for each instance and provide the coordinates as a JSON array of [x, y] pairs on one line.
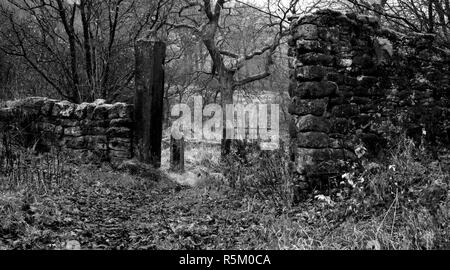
[[333, 74], [149, 99], [177, 154]]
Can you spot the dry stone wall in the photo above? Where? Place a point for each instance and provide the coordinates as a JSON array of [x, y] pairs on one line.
[[354, 85], [95, 131]]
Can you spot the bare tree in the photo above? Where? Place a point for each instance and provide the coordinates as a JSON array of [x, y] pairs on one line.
[[82, 49], [423, 16], [210, 22]]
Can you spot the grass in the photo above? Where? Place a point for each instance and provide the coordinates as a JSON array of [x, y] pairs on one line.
[[400, 204], [403, 204]]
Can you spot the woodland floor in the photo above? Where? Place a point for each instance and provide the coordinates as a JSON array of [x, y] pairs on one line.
[[99, 208], [105, 210]]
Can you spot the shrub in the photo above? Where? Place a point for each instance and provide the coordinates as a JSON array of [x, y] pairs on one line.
[[264, 174], [408, 195], [22, 168]]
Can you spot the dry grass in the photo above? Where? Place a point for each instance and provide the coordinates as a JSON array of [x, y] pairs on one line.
[[401, 204]]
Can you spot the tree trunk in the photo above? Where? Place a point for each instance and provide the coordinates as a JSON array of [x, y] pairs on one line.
[[75, 95], [227, 91], [68, 24], [430, 17], [87, 45]]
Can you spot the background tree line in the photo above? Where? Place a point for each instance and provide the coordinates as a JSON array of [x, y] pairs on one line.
[[79, 50], [82, 50]]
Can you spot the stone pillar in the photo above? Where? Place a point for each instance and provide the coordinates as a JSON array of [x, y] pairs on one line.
[[2, 69], [332, 64], [150, 56], [177, 155]]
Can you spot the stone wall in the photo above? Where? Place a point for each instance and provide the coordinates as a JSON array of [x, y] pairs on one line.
[[355, 85], [95, 131]]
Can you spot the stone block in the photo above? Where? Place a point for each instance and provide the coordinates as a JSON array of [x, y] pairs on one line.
[[47, 127], [311, 123], [28, 106], [311, 73], [350, 81], [361, 120], [99, 102], [96, 142], [123, 155], [330, 34], [121, 122], [73, 131], [95, 123], [118, 132], [369, 92], [344, 62], [341, 125], [311, 90], [63, 109], [292, 62], [335, 77], [120, 110], [305, 46], [47, 107], [308, 156], [360, 100], [118, 144], [337, 101], [93, 130], [313, 140], [59, 131], [342, 143], [345, 110], [90, 107], [69, 122], [303, 107], [367, 81], [101, 112], [306, 31], [316, 59], [363, 61], [323, 169], [81, 110], [346, 92]]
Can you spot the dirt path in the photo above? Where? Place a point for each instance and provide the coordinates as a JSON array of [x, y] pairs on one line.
[[115, 211]]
